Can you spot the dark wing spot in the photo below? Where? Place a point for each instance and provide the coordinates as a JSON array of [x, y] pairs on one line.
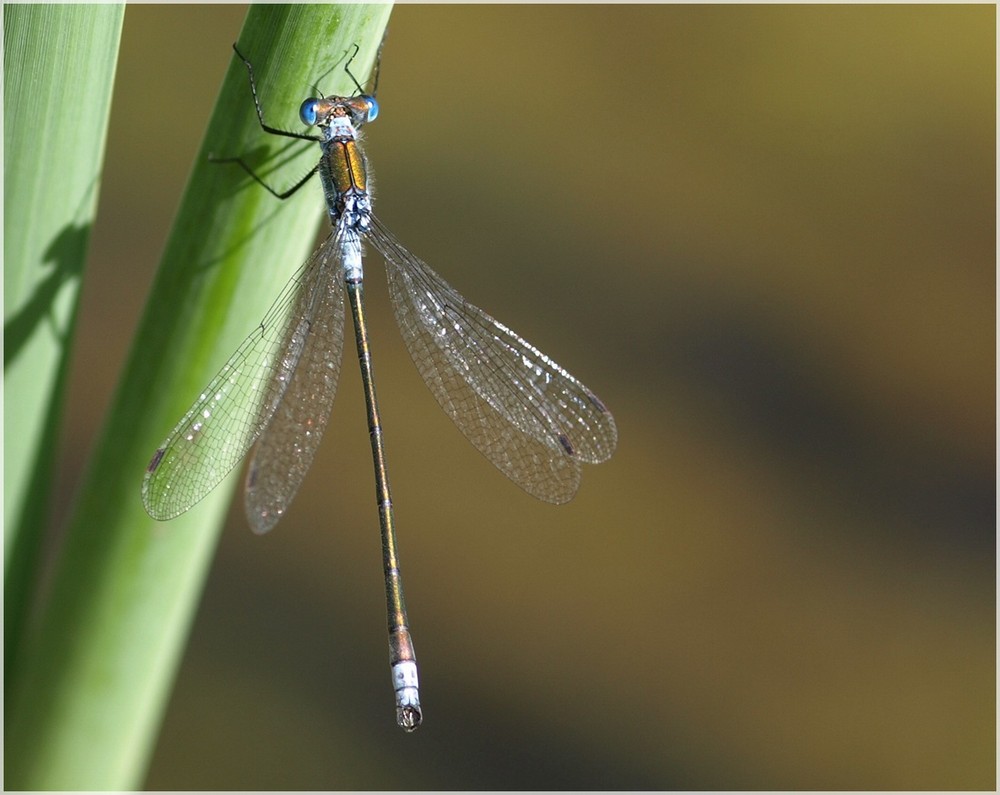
[[564, 441], [597, 402], [157, 458]]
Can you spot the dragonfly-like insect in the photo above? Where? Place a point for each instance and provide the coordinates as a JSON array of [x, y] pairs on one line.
[[533, 420]]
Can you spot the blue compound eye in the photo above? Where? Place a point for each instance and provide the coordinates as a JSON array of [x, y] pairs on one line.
[[372, 108], [307, 112]]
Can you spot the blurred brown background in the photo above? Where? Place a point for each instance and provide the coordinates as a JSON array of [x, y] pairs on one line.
[[766, 237]]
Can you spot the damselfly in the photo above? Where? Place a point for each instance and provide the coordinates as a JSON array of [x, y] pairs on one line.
[[524, 412]]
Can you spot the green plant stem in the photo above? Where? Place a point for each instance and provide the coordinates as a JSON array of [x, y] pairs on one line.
[[91, 694], [55, 57]]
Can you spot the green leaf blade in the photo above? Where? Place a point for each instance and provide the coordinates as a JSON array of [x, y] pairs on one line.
[[86, 714]]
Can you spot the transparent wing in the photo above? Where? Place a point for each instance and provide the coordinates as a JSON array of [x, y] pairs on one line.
[[524, 412], [285, 450], [216, 432]]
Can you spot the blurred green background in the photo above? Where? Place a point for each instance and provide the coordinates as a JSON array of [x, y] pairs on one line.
[[765, 236]]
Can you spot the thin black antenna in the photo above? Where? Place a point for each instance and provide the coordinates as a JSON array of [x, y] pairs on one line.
[[375, 73], [319, 92], [378, 62], [350, 74]]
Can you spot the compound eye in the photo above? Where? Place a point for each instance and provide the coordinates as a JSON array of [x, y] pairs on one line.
[[372, 108], [307, 111]]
